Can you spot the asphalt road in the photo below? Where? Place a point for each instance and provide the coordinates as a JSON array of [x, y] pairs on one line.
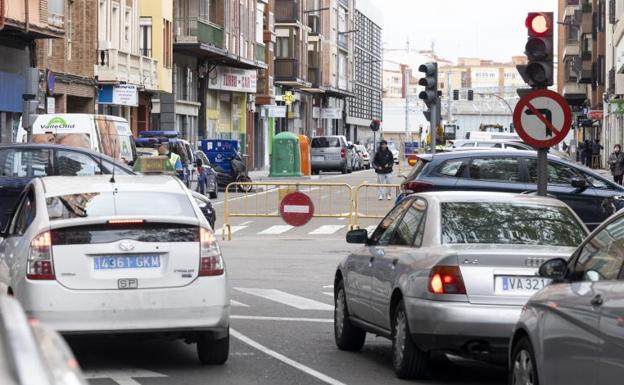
[[282, 330]]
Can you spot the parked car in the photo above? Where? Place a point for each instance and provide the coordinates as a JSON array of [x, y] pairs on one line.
[[331, 153], [494, 143], [78, 248], [593, 197], [570, 332], [212, 187], [366, 160], [449, 272], [394, 150], [33, 353], [20, 163], [356, 159]]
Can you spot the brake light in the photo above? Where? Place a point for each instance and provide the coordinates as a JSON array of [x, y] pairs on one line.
[[446, 280], [343, 153], [417, 186], [39, 265], [125, 221], [210, 260]]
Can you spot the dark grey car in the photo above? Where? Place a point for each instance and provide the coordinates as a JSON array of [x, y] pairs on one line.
[[449, 272], [572, 332]]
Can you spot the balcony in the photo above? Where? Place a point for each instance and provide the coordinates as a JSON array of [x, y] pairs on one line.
[[571, 48], [287, 11], [261, 52], [196, 30], [314, 77], [286, 69], [115, 66], [584, 71], [571, 88]]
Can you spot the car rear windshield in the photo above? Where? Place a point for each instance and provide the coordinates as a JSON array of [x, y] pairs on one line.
[[125, 204], [508, 223], [325, 142]]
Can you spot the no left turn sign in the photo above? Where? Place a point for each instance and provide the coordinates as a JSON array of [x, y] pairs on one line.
[[542, 118]]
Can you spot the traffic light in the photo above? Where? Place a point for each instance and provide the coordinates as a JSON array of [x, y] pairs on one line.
[[470, 95], [29, 113], [455, 94], [430, 82], [538, 72]]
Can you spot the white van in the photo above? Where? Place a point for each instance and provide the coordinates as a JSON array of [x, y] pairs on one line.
[[109, 135]]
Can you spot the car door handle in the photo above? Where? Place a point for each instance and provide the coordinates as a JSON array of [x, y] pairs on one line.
[[597, 300]]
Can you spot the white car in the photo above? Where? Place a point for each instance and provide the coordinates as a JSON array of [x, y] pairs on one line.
[[117, 255]]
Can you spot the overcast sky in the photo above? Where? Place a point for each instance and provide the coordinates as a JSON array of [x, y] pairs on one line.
[[488, 29]]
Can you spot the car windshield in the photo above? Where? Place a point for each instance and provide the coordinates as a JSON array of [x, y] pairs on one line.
[[125, 204], [508, 223], [325, 142]]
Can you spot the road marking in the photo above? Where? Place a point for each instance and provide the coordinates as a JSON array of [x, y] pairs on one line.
[[121, 376], [236, 303], [295, 301], [326, 230], [234, 229], [246, 223], [314, 373], [277, 229], [328, 287], [329, 293], [289, 319]]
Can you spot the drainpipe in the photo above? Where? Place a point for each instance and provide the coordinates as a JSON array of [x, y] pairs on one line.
[[2, 6], [27, 16]]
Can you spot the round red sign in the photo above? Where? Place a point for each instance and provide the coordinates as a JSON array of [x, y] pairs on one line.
[[296, 209], [542, 118]]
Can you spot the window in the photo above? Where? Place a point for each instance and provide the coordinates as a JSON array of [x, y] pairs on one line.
[[469, 144], [488, 145], [508, 223], [451, 168], [385, 230], [408, 231], [326, 141], [72, 163], [282, 49], [145, 36], [558, 174], [25, 214], [56, 12], [495, 169], [127, 23], [602, 257], [25, 162], [260, 23]]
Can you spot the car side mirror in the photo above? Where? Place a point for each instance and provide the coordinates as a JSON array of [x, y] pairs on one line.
[[359, 236], [579, 183], [554, 269]]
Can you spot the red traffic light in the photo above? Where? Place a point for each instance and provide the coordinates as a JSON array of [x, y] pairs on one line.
[[539, 24]]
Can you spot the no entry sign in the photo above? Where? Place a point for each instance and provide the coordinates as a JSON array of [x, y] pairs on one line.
[[542, 118], [296, 209]]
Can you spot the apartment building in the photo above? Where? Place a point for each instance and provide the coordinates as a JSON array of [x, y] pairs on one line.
[[613, 132], [22, 23], [127, 79], [67, 63]]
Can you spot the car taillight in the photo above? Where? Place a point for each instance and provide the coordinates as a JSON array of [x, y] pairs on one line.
[[210, 260], [40, 266], [343, 153], [446, 280], [417, 186]]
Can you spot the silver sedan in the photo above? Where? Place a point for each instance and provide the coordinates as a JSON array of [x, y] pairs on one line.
[[572, 332], [449, 272]]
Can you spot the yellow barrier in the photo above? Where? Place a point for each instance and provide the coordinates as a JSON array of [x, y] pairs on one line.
[[371, 208], [331, 200]]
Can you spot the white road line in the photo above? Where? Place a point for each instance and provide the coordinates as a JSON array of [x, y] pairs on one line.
[[314, 373], [329, 293], [236, 303], [295, 301], [326, 230], [237, 228], [246, 223], [277, 229], [289, 319], [121, 376], [328, 287]]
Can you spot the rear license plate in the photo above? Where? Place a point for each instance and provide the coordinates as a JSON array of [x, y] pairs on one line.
[[521, 285], [128, 283], [318, 158], [126, 262]]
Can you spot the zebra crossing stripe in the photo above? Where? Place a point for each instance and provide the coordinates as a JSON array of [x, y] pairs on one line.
[[236, 303], [326, 230], [237, 228], [277, 229], [291, 300]]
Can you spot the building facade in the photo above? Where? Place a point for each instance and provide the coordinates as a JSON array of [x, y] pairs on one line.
[[21, 24], [613, 132]]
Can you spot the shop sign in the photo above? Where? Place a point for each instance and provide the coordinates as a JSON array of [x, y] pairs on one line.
[[276, 111], [120, 94], [234, 79], [331, 113]]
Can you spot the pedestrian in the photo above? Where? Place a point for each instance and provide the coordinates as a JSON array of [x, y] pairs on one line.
[[202, 177], [383, 163], [616, 164], [595, 150], [175, 163], [587, 152]]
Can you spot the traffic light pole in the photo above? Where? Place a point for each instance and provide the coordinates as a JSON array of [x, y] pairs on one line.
[[433, 130], [542, 172]]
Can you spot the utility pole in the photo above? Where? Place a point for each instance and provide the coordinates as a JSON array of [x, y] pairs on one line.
[[407, 74], [449, 114]]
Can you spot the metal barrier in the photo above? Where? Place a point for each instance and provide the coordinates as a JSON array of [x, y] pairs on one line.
[[371, 208], [331, 200]]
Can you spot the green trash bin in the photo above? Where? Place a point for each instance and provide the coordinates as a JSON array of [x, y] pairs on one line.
[[286, 157]]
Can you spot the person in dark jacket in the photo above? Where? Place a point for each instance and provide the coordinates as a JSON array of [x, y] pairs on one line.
[[616, 164], [383, 162]]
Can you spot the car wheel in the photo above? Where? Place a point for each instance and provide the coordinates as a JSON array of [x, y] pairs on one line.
[[345, 169], [347, 336], [214, 194], [408, 361], [315, 172], [211, 351], [523, 369]]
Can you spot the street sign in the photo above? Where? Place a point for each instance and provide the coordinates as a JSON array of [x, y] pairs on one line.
[[542, 118], [296, 209]]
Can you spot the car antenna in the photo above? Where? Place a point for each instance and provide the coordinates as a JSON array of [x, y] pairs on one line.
[[112, 178]]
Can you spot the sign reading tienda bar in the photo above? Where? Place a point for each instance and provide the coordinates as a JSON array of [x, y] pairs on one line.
[[233, 79]]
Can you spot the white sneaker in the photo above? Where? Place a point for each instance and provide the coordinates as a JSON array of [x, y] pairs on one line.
[[389, 197], [380, 197]]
